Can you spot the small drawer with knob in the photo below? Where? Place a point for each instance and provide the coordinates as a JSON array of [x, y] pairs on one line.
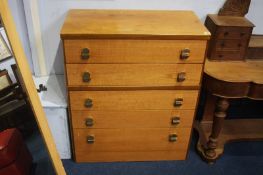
[[241, 33], [134, 51], [133, 75], [132, 119], [127, 139], [230, 45]]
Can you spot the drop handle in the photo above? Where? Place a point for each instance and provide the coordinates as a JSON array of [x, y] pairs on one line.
[[173, 137], [181, 76], [178, 102], [86, 77], [85, 53], [185, 53], [90, 139], [175, 120], [88, 103], [89, 122]]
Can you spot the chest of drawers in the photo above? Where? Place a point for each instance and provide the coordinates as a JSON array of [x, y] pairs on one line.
[[133, 81], [230, 37]]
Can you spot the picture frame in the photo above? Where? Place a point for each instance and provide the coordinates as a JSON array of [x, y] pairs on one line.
[[5, 79], [5, 52]]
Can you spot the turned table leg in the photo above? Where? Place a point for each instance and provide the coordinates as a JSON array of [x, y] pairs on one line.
[[221, 107]]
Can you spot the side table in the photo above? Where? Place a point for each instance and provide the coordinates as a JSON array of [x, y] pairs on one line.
[[223, 81]]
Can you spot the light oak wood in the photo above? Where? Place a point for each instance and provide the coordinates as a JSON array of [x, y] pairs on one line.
[[132, 119], [236, 71], [134, 51], [134, 75], [132, 100], [30, 88], [84, 156], [125, 139], [134, 58], [133, 24]]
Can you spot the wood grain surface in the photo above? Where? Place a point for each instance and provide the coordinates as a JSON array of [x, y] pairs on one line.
[[125, 139], [134, 75], [132, 119], [133, 24], [134, 51], [85, 156], [133, 100]]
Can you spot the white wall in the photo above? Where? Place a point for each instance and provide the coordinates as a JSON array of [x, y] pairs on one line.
[[52, 14], [18, 13]]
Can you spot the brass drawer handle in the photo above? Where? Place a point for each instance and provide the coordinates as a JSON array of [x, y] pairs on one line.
[[178, 102], [89, 122], [185, 53], [85, 53], [86, 77], [175, 120], [88, 103], [90, 139], [181, 76], [173, 137]]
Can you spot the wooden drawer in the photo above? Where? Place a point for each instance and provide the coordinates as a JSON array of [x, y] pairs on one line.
[[231, 45], [134, 75], [242, 33], [125, 139], [133, 100], [134, 51], [86, 156], [132, 119]]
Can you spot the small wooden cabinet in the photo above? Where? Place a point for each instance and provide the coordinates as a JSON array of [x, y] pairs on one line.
[[133, 81], [230, 37]]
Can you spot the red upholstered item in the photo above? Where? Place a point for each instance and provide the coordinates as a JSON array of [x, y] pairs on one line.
[[10, 143], [15, 158]]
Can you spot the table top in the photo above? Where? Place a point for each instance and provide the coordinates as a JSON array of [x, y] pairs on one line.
[[234, 21], [236, 71], [145, 24]]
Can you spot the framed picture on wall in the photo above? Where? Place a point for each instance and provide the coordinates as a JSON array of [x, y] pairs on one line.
[[5, 52], [4, 79]]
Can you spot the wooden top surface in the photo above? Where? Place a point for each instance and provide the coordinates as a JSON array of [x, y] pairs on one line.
[[256, 41], [234, 21], [133, 24], [236, 71]]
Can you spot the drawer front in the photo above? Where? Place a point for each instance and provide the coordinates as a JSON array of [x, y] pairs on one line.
[[132, 119], [133, 100], [86, 156], [133, 75], [231, 45], [241, 33], [134, 51], [124, 139]]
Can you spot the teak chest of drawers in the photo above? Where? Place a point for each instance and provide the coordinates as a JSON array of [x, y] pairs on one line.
[[133, 82]]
